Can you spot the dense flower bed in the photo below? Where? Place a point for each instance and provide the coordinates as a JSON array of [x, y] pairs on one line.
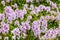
[[29, 19]]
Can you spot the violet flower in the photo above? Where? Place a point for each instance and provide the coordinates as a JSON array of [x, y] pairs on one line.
[[44, 25], [17, 23], [37, 0], [3, 3], [8, 1], [2, 17], [36, 28], [47, 9], [58, 16], [16, 32], [5, 28], [53, 5], [29, 0]]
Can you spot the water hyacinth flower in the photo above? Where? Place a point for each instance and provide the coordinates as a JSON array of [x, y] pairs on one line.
[[29, 18], [17, 23], [5, 28], [53, 5], [44, 25], [37, 0], [19, 13], [16, 32], [58, 16], [53, 12], [52, 17], [26, 6], [25, 26], [8, 1], [31, 7], [48, 34], [36, 28], [36, 23], [29, 1], [42, 18], [13, 16], [15, 5], [9, 21], [47, 9], [10, 13], [35, 10], [7, 9], [3, 3], [2, 17], [57, 30], [41, 7], [24, 11], [23, 29], [47, 17]]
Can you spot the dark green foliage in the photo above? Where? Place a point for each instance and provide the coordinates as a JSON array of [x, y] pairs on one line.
[[58, 37], [42, 34], [52, 24], [30, 35], [56, 1], [1, 8], [44, 13], [21, 38]]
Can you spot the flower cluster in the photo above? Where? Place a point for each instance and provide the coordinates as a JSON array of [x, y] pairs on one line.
[[43, 20]]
